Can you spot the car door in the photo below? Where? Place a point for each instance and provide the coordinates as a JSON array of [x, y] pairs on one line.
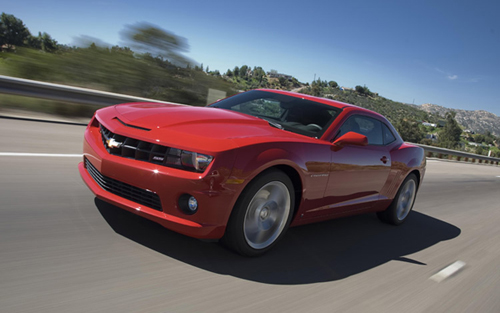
[[358, 173]]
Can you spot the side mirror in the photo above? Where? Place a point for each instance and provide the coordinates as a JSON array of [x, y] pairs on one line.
[[351, 138]]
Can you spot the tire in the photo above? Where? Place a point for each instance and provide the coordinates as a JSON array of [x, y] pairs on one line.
[[261, 215], [402, 204]]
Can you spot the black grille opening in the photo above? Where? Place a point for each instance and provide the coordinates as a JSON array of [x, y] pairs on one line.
[[140, 150], [141, 196]]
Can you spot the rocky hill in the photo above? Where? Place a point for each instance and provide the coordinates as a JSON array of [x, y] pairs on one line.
[[479, 121]]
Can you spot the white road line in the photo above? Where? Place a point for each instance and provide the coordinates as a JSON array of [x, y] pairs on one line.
[[447, 271], [57, 155]]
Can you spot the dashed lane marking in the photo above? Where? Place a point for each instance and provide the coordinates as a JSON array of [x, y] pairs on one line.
[[57, 155], [447, 271]]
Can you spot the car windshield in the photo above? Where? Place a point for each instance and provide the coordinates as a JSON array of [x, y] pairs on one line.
[[289, 113]]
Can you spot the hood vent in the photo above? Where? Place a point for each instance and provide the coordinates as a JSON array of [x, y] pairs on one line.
[[133, 126]]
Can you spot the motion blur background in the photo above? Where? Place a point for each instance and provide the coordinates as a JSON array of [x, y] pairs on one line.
[[441, 52], [62, 250]]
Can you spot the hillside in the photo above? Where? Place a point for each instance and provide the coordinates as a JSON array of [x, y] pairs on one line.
[[393, 110], [479, 121], [158, 69]]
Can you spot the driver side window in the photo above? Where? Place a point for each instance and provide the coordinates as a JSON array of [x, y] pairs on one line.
[[351, 125], [364, 125]]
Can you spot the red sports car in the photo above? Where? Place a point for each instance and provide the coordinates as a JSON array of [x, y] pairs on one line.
[[246, 168]]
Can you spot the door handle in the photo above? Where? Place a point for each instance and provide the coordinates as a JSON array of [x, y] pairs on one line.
[[384, 159]]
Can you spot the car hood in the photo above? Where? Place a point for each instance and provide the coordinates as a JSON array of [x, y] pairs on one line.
[[205, 128]]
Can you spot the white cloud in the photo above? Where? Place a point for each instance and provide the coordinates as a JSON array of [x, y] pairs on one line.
[[447, 74]]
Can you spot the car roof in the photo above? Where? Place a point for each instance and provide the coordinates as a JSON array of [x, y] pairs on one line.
[[333, 103]]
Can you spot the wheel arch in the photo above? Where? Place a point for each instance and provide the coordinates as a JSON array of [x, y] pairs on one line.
[[232, 235], [291, 172], [297, 184], [417, 174]]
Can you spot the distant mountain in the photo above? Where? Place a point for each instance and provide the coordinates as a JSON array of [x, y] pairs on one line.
[[479, 121]]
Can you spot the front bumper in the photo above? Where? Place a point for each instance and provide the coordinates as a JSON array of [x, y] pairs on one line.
[[215, 201]]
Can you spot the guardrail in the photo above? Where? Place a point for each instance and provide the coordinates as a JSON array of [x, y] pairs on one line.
[[36, 89], [441, 152]]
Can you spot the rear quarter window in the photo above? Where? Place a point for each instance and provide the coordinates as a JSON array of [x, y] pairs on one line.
[[388, 135]]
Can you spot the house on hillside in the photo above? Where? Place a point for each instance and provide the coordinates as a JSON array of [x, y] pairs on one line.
[[432, 137], [346, 89], [429, 124], [275, 74]]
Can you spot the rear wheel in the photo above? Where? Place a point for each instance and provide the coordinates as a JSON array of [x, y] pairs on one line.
[[401, 205], [261, 215]]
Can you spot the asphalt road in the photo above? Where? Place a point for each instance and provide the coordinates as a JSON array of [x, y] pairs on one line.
[[63, 251]]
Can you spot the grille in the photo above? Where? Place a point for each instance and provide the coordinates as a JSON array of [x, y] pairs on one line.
[[141, 150], [141, 196]]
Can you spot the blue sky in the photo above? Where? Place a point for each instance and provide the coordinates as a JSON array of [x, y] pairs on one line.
[[441, 52]]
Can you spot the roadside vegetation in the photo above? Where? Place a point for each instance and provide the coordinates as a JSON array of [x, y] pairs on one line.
[[153, 64]]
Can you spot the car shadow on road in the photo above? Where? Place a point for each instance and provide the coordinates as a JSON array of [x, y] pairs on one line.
[[307, 254]]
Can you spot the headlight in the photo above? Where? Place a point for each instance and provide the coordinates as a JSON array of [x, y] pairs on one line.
[[194, 160]]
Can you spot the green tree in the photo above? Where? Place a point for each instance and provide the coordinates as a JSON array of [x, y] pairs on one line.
[[479, 138], [363, 90], [34, 42], [13, 32], [148, 38], [450, 134], [480, 150], [333, 84], [489, 139], [258, 73], [315, 90], [122, 50], [47, 43], [243, 71], [410, 131]]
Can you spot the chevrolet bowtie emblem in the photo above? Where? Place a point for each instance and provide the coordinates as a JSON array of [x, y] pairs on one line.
[[112, 143]]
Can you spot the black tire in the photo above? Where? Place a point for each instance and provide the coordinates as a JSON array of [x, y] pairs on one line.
[[261, 215], [402, 204]]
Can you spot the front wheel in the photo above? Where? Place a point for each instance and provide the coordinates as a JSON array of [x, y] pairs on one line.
[[261, 214], [401, 205]]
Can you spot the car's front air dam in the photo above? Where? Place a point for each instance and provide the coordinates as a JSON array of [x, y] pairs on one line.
[[171, 222]]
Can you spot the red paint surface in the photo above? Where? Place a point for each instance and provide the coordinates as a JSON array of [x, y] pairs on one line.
[[332, 180]]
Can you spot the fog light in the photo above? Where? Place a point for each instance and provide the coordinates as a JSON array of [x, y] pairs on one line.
[[193, 204], [188, 204]]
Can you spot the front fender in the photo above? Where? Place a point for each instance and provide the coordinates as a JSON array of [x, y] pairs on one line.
[[251, 161]]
